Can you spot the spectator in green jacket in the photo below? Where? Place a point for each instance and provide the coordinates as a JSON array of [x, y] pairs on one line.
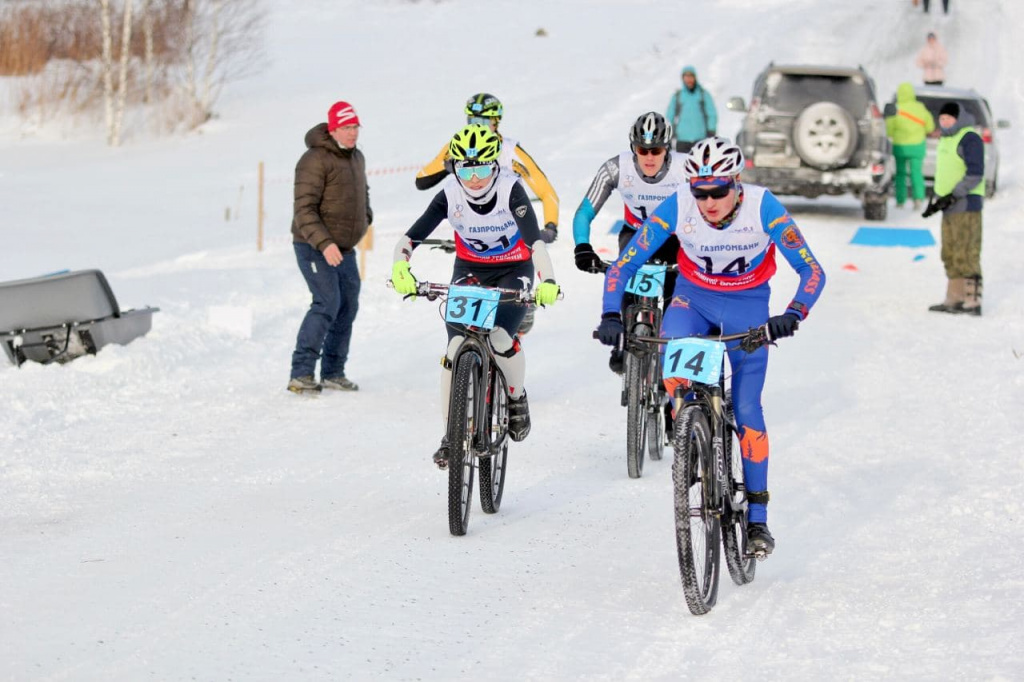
[[908, 126]]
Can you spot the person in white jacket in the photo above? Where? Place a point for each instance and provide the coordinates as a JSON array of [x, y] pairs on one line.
[[932, 58]]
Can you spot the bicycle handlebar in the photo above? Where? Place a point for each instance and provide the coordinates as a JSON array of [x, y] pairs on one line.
[[750, 340], [434, 290], [446, 245], [605, 264]]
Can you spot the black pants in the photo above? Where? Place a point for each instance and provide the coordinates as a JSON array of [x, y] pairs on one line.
[[514, 275], [945, 7]]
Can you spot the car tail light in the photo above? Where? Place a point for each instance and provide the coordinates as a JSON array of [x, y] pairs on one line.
[[748, 163], [986, 135], [877, 169], [875, 113]]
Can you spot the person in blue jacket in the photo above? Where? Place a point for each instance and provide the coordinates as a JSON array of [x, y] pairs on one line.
[[691, 111], [729, 235]]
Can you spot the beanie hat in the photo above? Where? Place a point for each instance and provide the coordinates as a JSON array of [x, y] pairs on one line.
[[341, 114], [951, 108]]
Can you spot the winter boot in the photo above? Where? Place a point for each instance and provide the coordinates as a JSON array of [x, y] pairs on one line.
[[518, 419], [972, 296], [339, 383], [306, 384], [441, 456], [759, 539], [954, 302]]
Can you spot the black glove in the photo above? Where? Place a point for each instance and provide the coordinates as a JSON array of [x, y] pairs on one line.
[[781, 326], [610, 329], [889, 110], [936, 204], [586, 259], [549, 233]]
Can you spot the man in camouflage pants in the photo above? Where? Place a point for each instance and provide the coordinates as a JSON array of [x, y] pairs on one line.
[[959, 194]]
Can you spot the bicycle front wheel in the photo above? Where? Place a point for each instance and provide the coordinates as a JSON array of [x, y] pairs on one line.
[[734, 518], [697, 521], [492, 469], [655, 410], [637, 401], [461, 433]]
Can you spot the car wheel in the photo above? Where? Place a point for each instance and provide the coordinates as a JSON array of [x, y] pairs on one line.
[[875, 210], [824, 135]]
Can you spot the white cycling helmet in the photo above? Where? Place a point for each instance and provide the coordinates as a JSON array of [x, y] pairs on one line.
[[714, 157]]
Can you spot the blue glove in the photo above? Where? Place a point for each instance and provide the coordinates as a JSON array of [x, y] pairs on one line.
[[549, 233], [781, 326], [610, 329]]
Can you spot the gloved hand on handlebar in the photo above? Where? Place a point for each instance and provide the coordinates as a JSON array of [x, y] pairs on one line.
[[587, 259], [781, 326], [610, 329], [546, 293], [402, 279]]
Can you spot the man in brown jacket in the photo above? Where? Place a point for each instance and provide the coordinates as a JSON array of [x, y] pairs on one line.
[[332, 213]]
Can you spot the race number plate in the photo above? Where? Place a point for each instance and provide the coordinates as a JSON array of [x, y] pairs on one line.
[[471, 306], [648, 281], [697, 360]]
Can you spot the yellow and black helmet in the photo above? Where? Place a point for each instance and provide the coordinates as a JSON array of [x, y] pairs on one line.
[[475, 144], [484, 105]]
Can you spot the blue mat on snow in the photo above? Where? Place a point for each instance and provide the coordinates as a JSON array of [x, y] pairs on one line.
[[893, 236]]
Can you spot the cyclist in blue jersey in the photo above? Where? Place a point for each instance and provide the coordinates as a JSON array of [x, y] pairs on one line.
[[729, 234], [497, 243], [644, 176]]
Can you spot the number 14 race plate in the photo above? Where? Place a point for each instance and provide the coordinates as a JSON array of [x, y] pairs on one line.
[[697, 360]]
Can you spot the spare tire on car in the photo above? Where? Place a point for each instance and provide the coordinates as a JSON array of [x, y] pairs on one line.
[[825, 135]]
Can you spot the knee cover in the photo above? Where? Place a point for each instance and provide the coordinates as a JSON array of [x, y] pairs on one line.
[[508, 353], [446, 377]]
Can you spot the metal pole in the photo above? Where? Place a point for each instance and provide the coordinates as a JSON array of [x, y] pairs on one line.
[[259, 212]]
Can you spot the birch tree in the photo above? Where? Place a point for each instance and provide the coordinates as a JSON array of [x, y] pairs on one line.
[[114, 101]]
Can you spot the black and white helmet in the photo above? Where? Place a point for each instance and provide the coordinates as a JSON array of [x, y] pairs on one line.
[[651, 130], [714, 157]]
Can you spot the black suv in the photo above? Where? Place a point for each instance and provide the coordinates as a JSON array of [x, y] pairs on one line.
[[813, 130]]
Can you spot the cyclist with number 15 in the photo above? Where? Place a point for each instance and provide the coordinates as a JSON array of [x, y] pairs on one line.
[[729, 234], [498, 244], [644, 175]]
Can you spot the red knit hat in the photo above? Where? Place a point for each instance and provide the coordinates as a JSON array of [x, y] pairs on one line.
[[341, 114]]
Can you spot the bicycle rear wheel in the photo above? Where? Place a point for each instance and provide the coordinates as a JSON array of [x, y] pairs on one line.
[[734, 519], [697, 522], [492, 469], [637, 401], [655, 410], [461, 432]]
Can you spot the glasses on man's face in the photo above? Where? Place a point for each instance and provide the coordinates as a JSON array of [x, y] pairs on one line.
[[479, 120], [467, 173], [704, 193], [657, 151]]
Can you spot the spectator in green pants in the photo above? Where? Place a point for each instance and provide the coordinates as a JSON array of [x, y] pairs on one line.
[[908, 127]]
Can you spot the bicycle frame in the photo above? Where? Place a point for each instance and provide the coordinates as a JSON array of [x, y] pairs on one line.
[[476, 342]]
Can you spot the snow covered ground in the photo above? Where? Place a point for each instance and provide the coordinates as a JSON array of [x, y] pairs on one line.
[[168, 511]]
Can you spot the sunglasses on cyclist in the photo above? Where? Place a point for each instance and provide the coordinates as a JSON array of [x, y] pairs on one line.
[[466, 173], [720, 192], [657, 151]]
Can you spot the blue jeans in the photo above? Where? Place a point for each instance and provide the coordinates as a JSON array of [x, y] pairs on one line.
[[327, 327]]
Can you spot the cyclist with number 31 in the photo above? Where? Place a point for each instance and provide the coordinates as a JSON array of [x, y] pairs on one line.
[[729, 235], [498, 244], [644, 175]]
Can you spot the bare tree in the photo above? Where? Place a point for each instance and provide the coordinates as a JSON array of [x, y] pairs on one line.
[[122, 82], [114, 101], [222, 43], [107, 66]]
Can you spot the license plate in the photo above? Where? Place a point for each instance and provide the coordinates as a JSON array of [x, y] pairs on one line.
[[776, 161]]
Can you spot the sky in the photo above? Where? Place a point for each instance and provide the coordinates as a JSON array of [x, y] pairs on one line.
[[168, 511]]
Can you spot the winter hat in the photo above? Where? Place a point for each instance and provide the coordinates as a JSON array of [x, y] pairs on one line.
[[951, 108], [341, 114]]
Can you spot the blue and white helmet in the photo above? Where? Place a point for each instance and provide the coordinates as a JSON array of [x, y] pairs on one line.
[[714, 157], [651, 131]]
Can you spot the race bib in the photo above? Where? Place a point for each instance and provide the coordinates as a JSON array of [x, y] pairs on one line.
[[649, 281], [472, 306], [697, 360]]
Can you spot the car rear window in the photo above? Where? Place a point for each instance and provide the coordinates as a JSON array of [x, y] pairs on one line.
[[793, 92], [972, 106]]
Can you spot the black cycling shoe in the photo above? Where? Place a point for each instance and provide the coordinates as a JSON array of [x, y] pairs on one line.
[[760, 542], [518, 419], [441, 456], [616, 361]]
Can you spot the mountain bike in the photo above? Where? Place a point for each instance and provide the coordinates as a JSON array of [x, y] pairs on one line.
[[643, 394], [478, 414], [707, 469]]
